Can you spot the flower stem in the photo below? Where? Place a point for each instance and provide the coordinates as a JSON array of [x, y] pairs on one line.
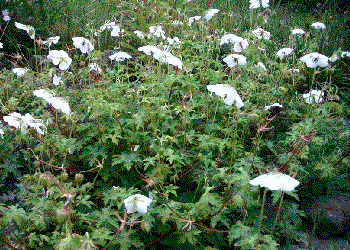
[[261, 217], [278, 214]]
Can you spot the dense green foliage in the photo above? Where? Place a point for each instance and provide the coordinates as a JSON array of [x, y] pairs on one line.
[[152, 128]]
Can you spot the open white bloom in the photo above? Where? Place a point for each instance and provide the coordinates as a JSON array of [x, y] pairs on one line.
[[192, 19], [116, 30], [56, 79], [276, 104], [227, 93], [52, 40], [241, 45], [276, 181], [261, 65], [56, 102], [313, 96], [1, 45], [137, 203], [210, 13], [157, 31], [150, 50], [261, 33], [230, 38], [22, 122], [254, 4], [30, 30], [315, 59], [95, 67], [297, 31], [120, 56], [174, 40], [284, 52], [139, 34], [19, 71], [83, 44], [318, 25], [162, 56], [60, 58], [234, 59]]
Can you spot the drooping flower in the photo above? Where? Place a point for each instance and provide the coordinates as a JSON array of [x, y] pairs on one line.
[[23, 122], [234, 59], [313, 96], [30, 30], [137, 203], [261, 33], [116, 30], [297, 32], [56, 102], [254, 4], [120, 56], [157, 31], [284, 52], [139, 34], [83, 44], [19, 71], [95, 67], [210, 13], [162, 56], [315, 59], [276, 104], [52, 40], [60, 58], [192, 19], [318, 25], [1, 45], [227, 93], [261, 65], [34, 123], [276, 181]]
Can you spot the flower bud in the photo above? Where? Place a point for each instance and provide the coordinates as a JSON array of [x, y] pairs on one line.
[[145, 226], [63, 214], [79, 178], [64, 176], [47, 179]]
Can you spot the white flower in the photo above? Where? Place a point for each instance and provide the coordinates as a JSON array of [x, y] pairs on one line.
[[318, 25], [234, 59], [315, 59], [192, 19], [51, 40], [177, 23], [284, 52], [116, 30], [30, 30], [230, 38], [95, 67], [150, 50], [56, 79], [276, 181], [345, 54], [313, 96], [276, 104], [34, 123], [2, 133], [227, 93], [19, 71], [137, 203], [60, 58], [174, 40], [261, 34], [162, 56], [120, 56], [83, 44], [295, 70], [254, 4], [157, 31], [139, 34], [15, 120], [1, 45], [297, 31], [210, 13], [239, 46], [333, 58], [261, 65], [56, 102]]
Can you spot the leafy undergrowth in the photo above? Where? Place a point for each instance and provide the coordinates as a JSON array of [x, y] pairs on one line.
[[95, 133]]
